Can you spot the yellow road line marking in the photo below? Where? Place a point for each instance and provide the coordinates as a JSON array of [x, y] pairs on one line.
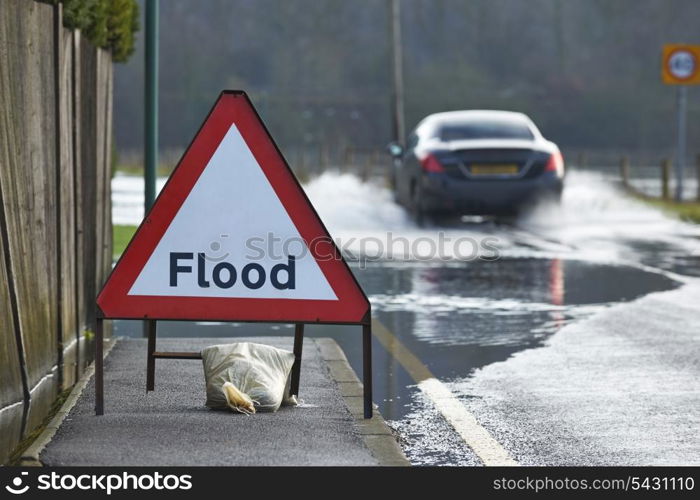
[[474, 435]]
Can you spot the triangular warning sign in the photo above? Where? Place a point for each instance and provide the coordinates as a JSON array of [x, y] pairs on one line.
[[233, 237]]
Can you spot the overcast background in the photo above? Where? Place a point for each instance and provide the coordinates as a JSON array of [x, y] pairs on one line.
[[587, 71]]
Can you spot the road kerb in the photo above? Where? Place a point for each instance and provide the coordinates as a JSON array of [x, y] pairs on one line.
[[375, 432]]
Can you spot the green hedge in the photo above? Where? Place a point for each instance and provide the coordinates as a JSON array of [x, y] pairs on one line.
[[109, 24]]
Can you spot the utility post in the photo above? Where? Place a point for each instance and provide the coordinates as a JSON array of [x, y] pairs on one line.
[[397, 101]]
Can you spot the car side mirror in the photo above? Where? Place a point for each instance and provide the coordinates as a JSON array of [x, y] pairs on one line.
[[395, 149]]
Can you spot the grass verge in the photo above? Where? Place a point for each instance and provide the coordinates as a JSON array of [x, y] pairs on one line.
[[121, 237], [686, 210], [137, 169], [16, 455]]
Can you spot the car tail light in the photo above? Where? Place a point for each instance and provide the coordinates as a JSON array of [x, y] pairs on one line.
[[555, 164], [431, 164]]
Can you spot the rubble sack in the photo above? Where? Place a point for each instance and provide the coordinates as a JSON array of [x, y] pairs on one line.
[[247, 377]]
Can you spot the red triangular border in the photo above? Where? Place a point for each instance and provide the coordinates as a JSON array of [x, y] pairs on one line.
[[233, 106]]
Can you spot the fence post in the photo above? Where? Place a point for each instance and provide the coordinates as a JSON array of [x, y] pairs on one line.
[[302, 172], [388, 170], [625, 171], [665, 174], [58, 57], [323, 154], [366, 171], [697, 175], [301, 166], [345, 162]]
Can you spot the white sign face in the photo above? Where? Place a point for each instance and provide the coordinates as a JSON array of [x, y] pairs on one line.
[[682, 64], [232, 238]]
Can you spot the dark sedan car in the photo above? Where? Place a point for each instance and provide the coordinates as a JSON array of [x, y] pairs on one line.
[[475, 162]]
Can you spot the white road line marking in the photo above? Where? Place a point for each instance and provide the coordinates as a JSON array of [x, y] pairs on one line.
[[477, 437], [472, 433]]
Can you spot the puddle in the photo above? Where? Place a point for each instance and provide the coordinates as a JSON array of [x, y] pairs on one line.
[[455, 318]]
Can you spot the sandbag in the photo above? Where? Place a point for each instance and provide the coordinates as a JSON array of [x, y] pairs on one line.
[[247, 377]]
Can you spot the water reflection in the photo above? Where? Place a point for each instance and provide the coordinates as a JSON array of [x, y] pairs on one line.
[[455, 318]]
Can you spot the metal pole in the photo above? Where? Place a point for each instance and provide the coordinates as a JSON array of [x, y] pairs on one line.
[[151, 326], [367, 367], [625, 172], [150, 138], [296, 368], [151, 104], [697, 175], [399, 132], [681, 102], [99, 369], [665, 176]]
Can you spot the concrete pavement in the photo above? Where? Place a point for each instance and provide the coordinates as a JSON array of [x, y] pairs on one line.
[[171, 426]]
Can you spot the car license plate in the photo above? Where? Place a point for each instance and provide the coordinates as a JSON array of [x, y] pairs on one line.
[[494, 169]]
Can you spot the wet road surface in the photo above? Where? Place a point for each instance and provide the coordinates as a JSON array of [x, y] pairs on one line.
[[551, 270]]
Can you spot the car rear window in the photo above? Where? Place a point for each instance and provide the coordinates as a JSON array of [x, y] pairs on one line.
[[484, 129]]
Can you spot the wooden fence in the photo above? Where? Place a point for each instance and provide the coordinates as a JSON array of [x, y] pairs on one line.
[[312, 161], [55, 224], [659, 181]]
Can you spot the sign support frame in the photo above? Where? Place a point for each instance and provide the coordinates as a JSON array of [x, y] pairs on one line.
[[152, 355], [343, 316]]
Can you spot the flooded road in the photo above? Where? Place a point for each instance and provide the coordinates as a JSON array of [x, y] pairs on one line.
[[506, 287]]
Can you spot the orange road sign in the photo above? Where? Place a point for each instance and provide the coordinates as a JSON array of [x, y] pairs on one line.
[[680, 64]]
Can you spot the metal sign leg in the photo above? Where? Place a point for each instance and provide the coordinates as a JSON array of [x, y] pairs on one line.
[[150, 326], [367, 367], [99, 357], [296, 369]]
